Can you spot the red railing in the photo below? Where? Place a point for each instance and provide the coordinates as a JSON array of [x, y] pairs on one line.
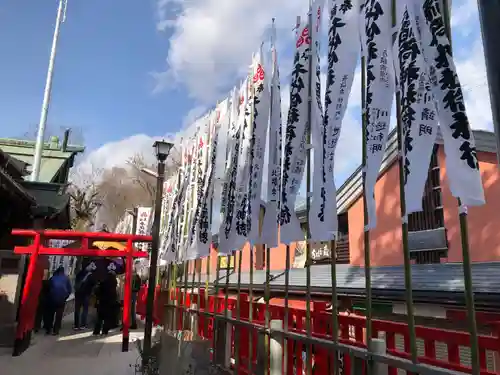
[[351, 331]]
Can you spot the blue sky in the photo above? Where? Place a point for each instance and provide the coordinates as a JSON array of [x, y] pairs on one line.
[[104, 82]]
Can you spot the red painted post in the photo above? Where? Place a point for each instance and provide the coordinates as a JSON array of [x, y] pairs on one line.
[[19, 344], [127, 299]]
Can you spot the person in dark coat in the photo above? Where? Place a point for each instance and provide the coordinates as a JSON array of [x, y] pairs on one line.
[[84, 284], [59, 291], [43, 304], [107, 301], [136, 287]]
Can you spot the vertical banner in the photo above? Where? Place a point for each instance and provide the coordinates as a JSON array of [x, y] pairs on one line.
[[459, 144], [169, 190], [242, 223], [259, 134], [379, 92], [270, 222], [343, 53], [143, 223], [295, 138], [239, 104], [200, 236], [418, 114]]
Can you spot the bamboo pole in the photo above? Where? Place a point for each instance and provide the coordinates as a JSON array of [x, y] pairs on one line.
[[237, 332], [464, 234], [334, 301], [404, 216], [287, 269], [308, 196], [366, 235]]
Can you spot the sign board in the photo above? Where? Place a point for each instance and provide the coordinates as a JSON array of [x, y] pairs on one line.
[[223, 262]]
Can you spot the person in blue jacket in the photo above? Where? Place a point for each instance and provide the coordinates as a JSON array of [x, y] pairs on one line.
[[84, 284], [59, 291]]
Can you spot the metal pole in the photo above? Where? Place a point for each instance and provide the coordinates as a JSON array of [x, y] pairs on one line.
[[148, 328], [61, 11], [489, 16]]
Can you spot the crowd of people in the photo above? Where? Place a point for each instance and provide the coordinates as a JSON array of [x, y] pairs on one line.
[[89, 291]]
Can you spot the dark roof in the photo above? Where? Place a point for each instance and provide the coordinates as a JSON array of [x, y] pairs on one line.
[[51, 199], [440, 282]]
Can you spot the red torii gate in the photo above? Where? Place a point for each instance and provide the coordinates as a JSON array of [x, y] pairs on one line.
[[34, 276]]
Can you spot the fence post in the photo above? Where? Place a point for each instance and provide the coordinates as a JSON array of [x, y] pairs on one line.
[[276, 350], [228, 344], [378, 347], [193, 321], [223, 332]]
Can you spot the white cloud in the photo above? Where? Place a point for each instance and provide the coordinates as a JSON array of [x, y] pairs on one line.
[[213, 40]]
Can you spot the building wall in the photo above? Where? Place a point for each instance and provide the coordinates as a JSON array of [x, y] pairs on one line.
[[385, 239], [483, 221]]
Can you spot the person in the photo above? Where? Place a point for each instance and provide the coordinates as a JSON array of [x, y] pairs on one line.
[[107, 301], [84, 284], [59, 291], [43, 303], [136, 287]]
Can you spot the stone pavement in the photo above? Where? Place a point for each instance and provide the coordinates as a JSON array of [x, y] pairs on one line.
[[73, 353]]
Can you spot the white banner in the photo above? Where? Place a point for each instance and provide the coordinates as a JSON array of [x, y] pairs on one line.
[[270, 224], [223, 145], [343, 53], [418, 114], [189, 168], [262, 102], [460, 149], [199, 245], [201, 176], [144, 217], [172, 237], [242, 220], [228, 209], [380, 82], [296, 135], [169, 191]]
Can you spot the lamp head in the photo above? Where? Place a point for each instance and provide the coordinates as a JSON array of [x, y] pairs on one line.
[[162, 149]]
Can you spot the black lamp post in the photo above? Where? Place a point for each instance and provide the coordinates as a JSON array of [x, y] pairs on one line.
[[162, 149]]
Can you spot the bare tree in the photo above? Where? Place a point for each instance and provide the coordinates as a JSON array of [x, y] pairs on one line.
[[85, 197]]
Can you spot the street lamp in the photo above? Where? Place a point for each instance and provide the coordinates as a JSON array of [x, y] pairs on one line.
[[162, 149]]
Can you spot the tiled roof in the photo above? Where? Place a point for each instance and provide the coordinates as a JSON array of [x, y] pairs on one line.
[[429, 280]]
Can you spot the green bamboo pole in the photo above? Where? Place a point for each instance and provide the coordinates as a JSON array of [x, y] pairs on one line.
[[404, 217], [237, 329], [250, 313], [366, 235], [186, 283], [287, 309], [308, 197], [216, 304], [466, 261], [334, 301], [176, 302], [267, 299], [207, 285]]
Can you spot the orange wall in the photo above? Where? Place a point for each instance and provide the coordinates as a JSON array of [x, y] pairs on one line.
[[483, 221], [278, 258], [385, 239]]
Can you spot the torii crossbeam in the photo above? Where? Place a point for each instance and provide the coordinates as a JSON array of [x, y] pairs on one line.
[[39, 248]]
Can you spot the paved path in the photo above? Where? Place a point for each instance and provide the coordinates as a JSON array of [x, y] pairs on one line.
[[73, 353]]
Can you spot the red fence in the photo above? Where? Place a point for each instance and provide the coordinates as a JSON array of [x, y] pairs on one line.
[[351, 331]]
